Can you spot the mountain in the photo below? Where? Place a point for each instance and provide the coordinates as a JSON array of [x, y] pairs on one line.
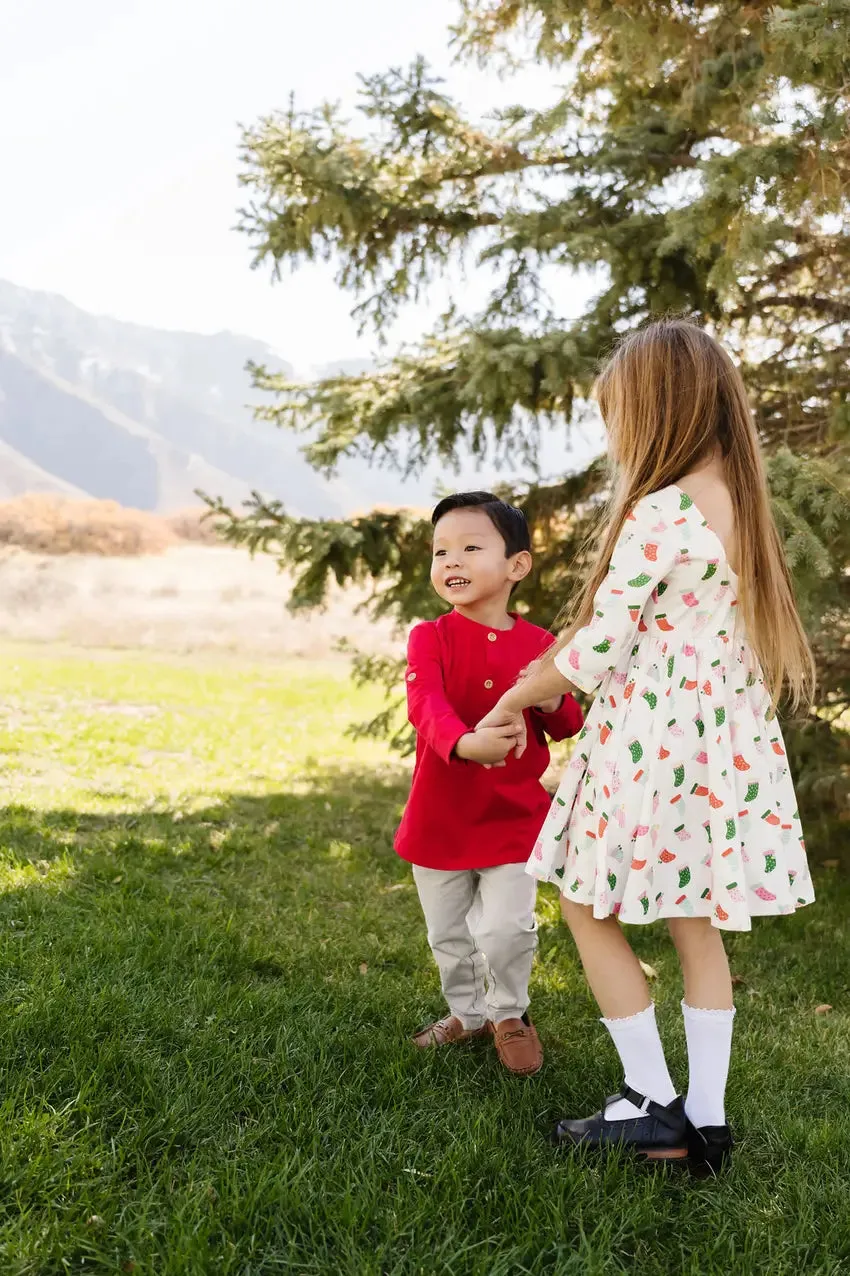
[[94, 406], [144, 416], [19, 474]]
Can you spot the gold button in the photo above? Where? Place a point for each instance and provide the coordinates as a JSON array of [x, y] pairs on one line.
[[488, 684], [411, 677], [492, 637]]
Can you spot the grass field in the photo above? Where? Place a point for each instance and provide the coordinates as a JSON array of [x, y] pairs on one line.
[[211, 962]]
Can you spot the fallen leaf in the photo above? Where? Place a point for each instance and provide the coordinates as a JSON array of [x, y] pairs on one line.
[[649, 971], [363, 967], [399, 886], [823, 1010], [217, 837], [830, 863], [753, 992], [94, 1220], [738, 981], [117, 879]]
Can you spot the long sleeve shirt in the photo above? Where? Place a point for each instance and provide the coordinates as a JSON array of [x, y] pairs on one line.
[[461, 815]]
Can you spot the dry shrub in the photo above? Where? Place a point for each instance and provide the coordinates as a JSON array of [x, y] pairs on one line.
[[190, 525], [53, 524]]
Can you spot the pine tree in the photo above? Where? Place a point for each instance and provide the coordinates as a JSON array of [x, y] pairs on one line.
[[696, 161]]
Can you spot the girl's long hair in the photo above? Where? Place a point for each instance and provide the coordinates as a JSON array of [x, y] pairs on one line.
[[669, 396]]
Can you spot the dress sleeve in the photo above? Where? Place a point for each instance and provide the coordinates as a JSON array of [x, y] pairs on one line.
[[644, 554], [428, 709]]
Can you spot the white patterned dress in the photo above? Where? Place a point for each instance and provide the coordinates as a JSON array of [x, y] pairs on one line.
[[678, 801]]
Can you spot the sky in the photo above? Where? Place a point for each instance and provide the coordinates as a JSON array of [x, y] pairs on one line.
[[119, 133]]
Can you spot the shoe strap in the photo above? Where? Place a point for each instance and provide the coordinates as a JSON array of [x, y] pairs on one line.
[[650, 1107]]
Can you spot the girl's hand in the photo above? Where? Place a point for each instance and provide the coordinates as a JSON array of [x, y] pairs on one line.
[[502, 714]]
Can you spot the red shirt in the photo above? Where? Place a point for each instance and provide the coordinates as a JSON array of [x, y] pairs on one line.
[[460, 815]]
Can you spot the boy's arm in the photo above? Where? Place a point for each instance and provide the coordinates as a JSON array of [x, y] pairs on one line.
[[428, 708], [563, 722]]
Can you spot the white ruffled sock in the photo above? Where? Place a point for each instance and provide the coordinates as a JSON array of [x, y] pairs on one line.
[[709, 1037], [642, 1056]]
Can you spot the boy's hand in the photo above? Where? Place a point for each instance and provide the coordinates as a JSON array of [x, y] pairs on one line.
[[503, 718], [488, 746]]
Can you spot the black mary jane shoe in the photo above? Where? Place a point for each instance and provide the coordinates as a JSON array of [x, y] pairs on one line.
[[660, 1134], [709, 1149]]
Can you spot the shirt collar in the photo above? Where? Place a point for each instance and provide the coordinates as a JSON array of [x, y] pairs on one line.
[[473, 627]]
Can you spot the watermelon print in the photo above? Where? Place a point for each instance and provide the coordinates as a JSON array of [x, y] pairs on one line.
[[659, 778]]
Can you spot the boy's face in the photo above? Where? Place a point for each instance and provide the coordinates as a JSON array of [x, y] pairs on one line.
[[469, 563]]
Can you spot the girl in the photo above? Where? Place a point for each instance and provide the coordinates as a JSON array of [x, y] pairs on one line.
[[678, 803]]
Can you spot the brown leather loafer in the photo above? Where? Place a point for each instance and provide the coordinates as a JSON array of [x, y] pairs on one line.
[[518, 1046], [446, 1031]]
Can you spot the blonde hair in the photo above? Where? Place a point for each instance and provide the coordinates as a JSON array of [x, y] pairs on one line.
[[670, 396]]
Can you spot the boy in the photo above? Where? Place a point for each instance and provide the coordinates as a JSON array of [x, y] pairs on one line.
[[475, 809]]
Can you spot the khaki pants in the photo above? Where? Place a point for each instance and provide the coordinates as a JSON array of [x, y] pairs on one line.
[[483, 935]]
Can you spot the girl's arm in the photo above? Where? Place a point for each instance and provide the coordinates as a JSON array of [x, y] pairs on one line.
[[646, 549], [536, 687]]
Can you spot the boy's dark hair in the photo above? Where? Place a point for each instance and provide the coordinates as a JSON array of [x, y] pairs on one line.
[[508, 521]]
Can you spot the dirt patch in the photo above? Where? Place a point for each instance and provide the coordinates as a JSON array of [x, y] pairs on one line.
[[191, 598]]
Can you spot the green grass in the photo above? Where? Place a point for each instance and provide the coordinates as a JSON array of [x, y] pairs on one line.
[[212, 961]]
